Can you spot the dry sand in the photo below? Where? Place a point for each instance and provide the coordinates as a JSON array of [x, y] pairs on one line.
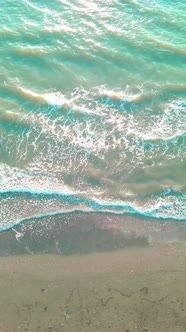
[[130, 290]]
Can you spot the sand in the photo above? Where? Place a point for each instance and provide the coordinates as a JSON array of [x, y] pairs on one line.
[[135, 289]]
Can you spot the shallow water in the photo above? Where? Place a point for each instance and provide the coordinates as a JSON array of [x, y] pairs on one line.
[[93, 108]]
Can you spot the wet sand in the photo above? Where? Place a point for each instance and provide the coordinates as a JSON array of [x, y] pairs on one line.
[[138, 286], [128, 290]]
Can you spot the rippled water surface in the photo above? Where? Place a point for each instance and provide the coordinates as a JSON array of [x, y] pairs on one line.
[[93, 108]]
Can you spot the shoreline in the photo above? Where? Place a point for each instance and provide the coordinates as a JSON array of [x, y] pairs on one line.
[[83, 234]]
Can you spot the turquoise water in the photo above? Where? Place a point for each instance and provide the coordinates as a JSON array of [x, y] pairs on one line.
[[93, 108]]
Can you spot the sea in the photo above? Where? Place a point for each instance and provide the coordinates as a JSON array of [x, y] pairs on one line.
[[92, 109]]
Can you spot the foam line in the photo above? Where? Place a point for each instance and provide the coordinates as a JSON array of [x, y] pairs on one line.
[[91, 205]]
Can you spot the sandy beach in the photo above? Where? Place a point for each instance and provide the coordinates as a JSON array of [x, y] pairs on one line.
[[134, 289], [93, 166], [91, 273]]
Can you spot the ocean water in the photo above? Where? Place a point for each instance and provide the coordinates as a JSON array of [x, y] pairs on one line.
[[93, 108]]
